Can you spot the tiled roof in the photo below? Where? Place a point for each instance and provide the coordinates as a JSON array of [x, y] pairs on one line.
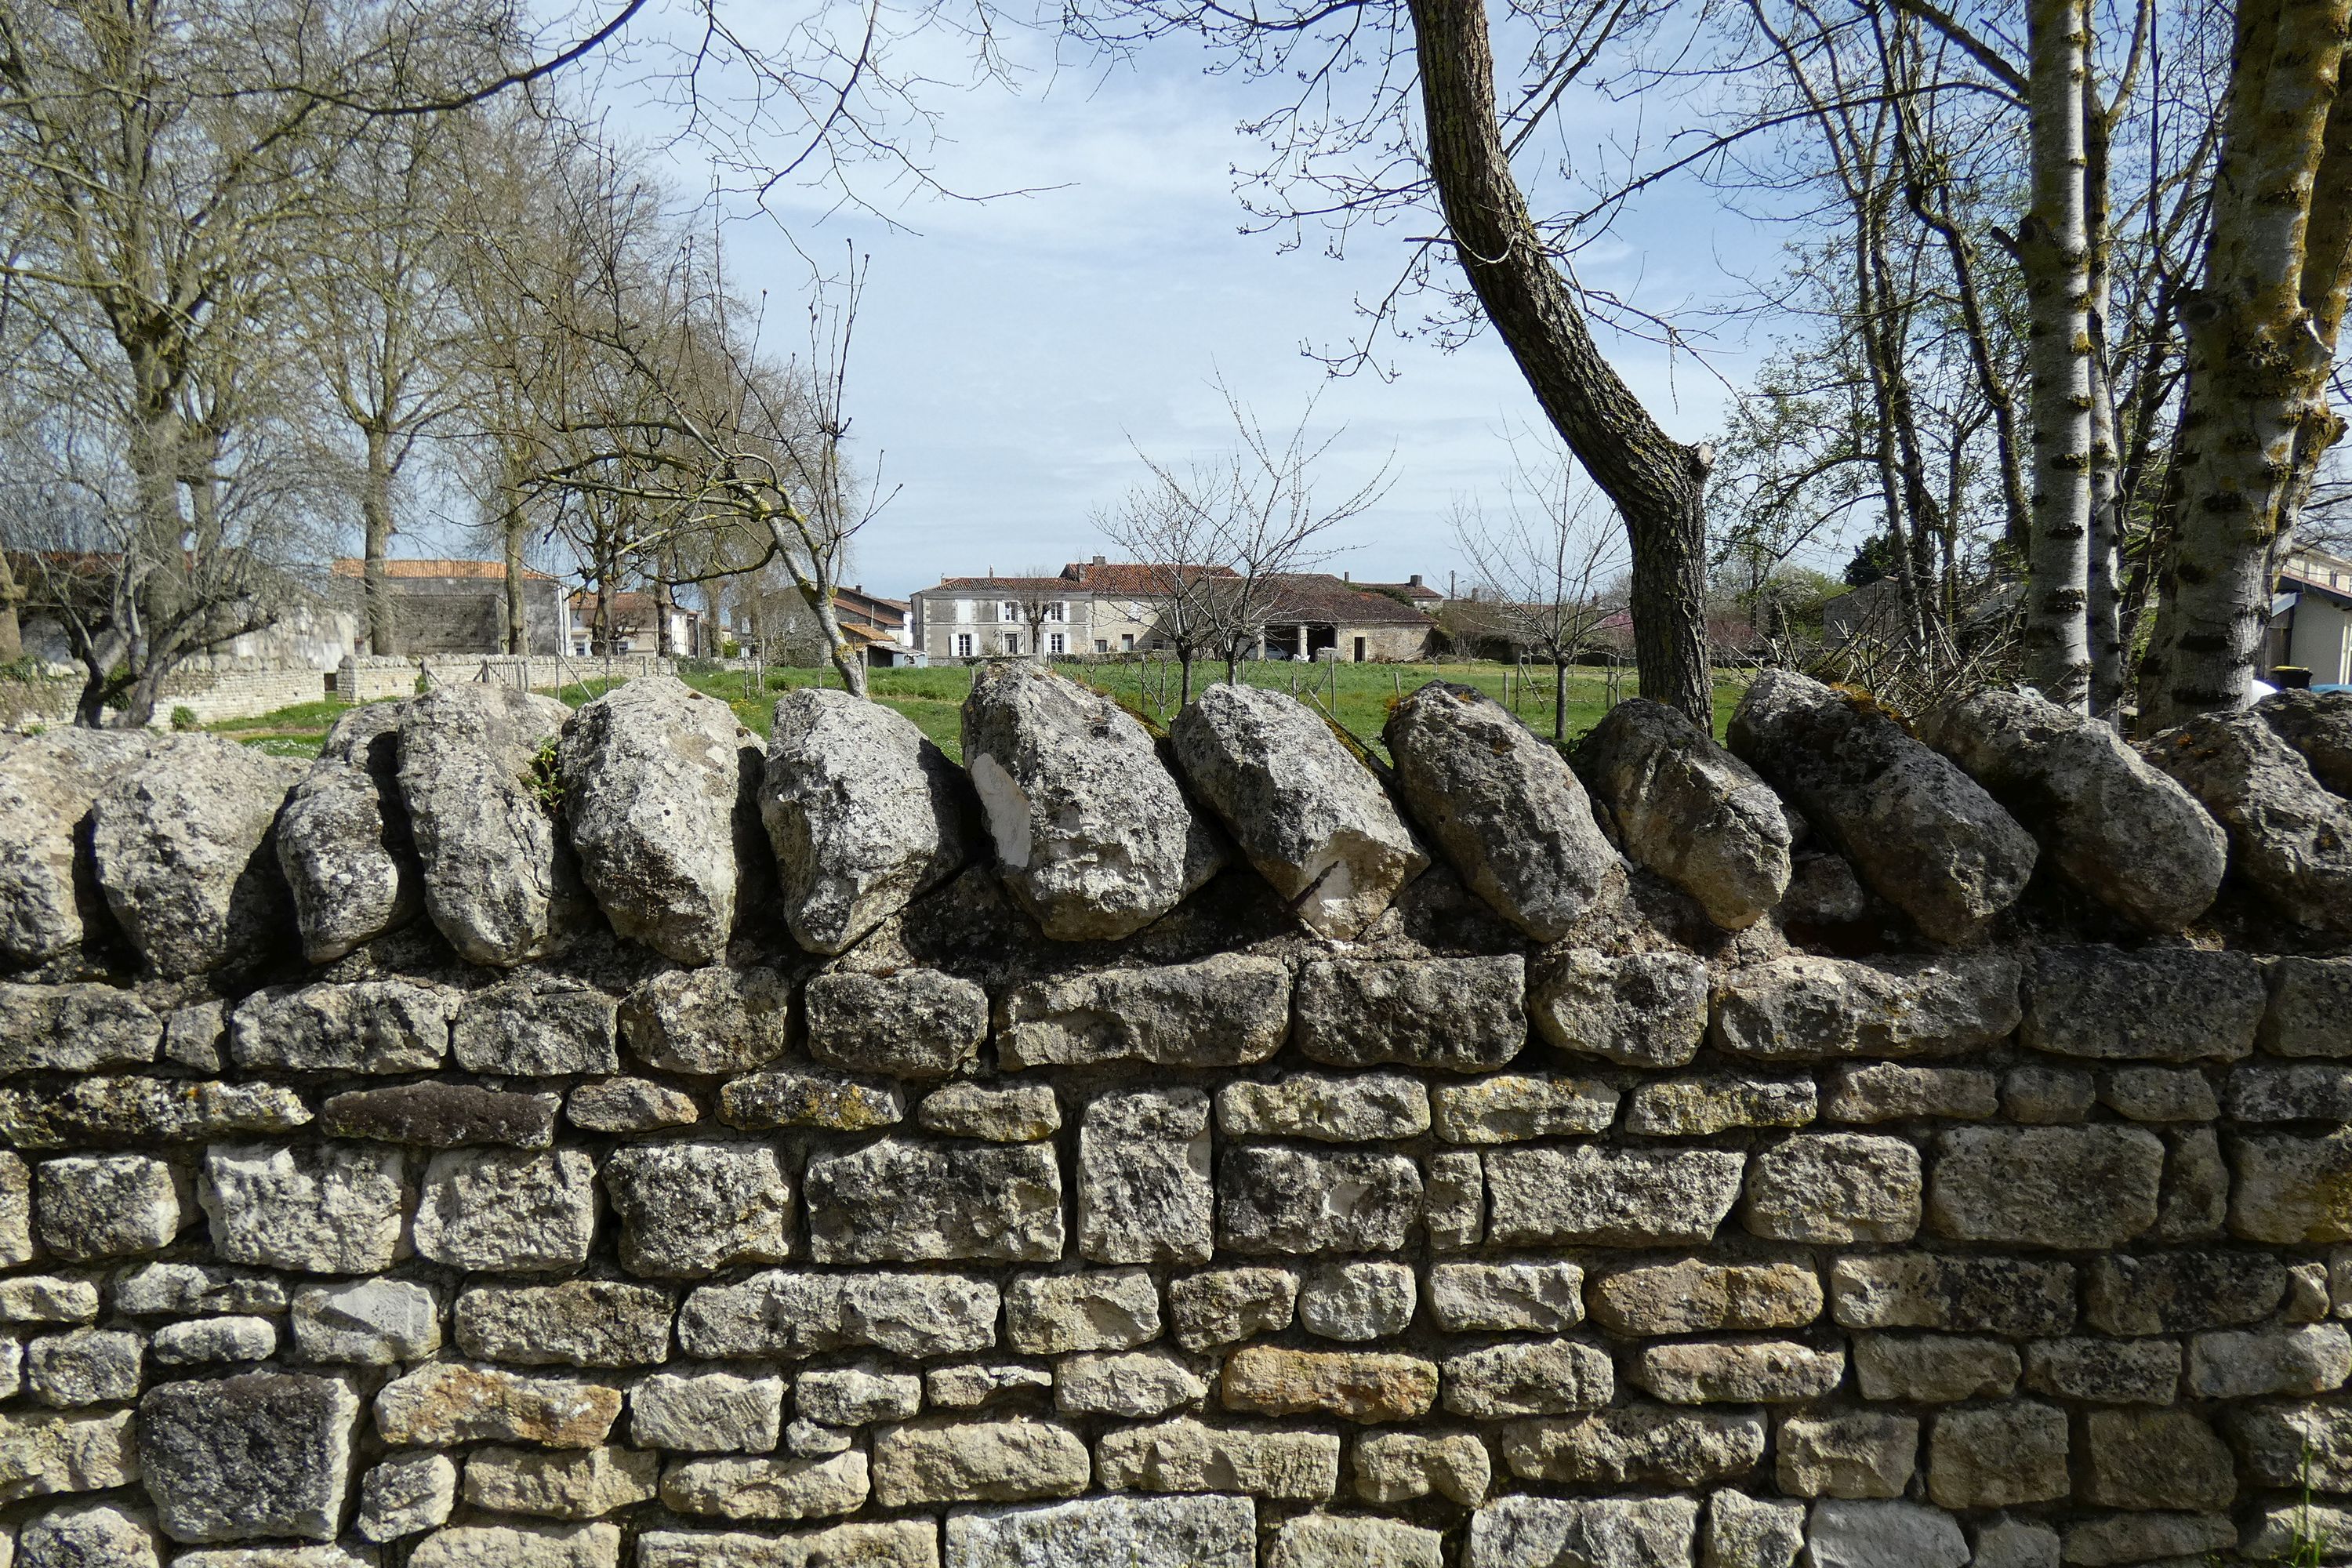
[[1318, 596], [1421, 592], [1136, 576], [1006, 584], [494, 571]]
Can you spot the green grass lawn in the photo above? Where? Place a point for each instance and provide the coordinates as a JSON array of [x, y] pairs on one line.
[[1358, 695]]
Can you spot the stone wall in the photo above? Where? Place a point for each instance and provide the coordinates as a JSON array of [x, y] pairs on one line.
[[574, 1140]]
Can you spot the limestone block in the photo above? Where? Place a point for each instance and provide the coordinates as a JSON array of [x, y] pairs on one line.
[[1540, 1377], [1934, 1369], [572, 1484], [1506, 1298], [1226, 1011], [369, 1322], [580, 1323], [1834, 1187], [716, 1020], [785, 1313], [446, 1402], [1188, 1456], [916, 1022], [1998, 1456], [324, 1209], [706, 1412], [1766, 1372], [247, 1458], [1636, 1445], [1845, 1454], [2154, 1459], [1357, 1300], [1222, 1306], [1132, 1531], [105, 1206], [1597, 1197], [2076, 1187], [1537, 1531], [1462, 1014], [1808, 1008], [507, 1211], [1973, 1294], [1402, 1467], [1368, 1386], [898, 1200], [1362, 1107], [947, 1460], [1695, 1296], [1642, 1009], [1274, 1199], [1109, 1309], [690, 1209], [2165, 1004]]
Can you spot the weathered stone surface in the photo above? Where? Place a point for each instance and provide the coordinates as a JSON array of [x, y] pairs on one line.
[[1355, 1385], [370, 1322], [1962, 1295], [2196, 1205], [1226, 1011], [1132, 1531], [520, 1546], [2291, 1091], [2314, 1359], [1509, 1107], [87, 1366], [2276, 1534], [326, 1208], [1225, 1305], [1332, 1540], [1623, 1197], [2170, 1094], [1804, 1008], [1187, 1455], [1540, 1532], [1696, 1296], [2297, 1445], [1752, 1532], [2293, 1190], [41, 1454], [1093, 835], [1689, 810], [629, 1105], [186, 1289], [48, 783], [1136, 1385], [1694, 1107], [902, 1201], [1362, 1107], [1503, 806], [205, 1340], [368, 1026], [74, 1028], [535, 1027], [1842, 1534], [448, 1402], [2079, 1187], [1107, 1308], [61, 1114], [182, 848], [1919, 833], [1506, 1298], [1144, 1193], [1894, 1092], [2311, 1008], [15, 1211], [47, 1298], [2182, 1292], [706, 1412], [500, 880], [2153, 1460], [1454, 1202], [1768, 1371], [784, 1313], [2109, 822], [441, 1116], [863, 811], [1643, 1009], [194, 1036], [1636, 1445], [1018, 1113], [695, 1207], [2017, 1543], [1465, 1015], [1998, 1456], [2319, 725], [968, 1385], [1834, 1187], [89, 1535], [2289, 838], [918, 1023], [1301, 808], [1275, 1199], [580, 1483], [950, 1460], [580, 1323], [2047, 1096], [1541, 1377], [2164, 1005], [105, 1206], [247, 1458], [507, 1210], [2106, 1371], [1401, 1467], [2136, 1538], [810, 1096], [1933, 1369], [1845, 1454], [344, 845], [713, 1020], [651, 773]]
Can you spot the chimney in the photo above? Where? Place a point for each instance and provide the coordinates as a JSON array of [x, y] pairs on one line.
[[1100, 562], [1414, 579], [1346, 575]]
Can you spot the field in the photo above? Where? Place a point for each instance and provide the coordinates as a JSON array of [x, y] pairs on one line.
[[1358, 695]]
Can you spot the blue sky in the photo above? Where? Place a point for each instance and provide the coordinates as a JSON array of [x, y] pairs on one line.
[[1014, 353]]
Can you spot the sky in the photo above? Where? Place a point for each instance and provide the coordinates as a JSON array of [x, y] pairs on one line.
[[1013, 355]]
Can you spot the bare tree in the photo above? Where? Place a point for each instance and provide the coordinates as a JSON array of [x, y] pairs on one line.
[[1541, 568], [1175, 543], [1040, 597]]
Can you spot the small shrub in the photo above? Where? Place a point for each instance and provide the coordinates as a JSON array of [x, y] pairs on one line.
[[183, 718]]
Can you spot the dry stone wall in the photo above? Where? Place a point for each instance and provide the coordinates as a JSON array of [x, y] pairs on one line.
[[537, 1140]]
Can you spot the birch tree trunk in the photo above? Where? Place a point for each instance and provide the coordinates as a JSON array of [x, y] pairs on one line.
[[2262, 336], [2053, 251], [1658, 484], [2105, 578]]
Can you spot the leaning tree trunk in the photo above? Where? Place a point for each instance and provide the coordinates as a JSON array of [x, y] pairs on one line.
[[2262, 336], [2053, 251], [1658, 484]]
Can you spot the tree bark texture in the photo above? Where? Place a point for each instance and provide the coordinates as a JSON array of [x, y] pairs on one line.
[[2054, 250], [375, 527], [1658, 484], [2262, 336], [2105, 582]]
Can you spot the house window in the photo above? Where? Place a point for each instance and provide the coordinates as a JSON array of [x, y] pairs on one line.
[[964, 645], [1013, 644], [1009, 611], [1054, 644], [1126, 642], [1102, 644], [1359, 650], [1054, 611]]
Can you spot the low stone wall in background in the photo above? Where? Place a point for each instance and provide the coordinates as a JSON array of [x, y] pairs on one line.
[[529, 1138]]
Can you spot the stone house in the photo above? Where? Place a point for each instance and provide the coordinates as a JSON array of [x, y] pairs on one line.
[[2311, 618]]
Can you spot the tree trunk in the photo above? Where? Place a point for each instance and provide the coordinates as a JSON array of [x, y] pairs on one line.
[[662, 608], [375, 523], [1659, 485], [2105, 567], [1560, 698], [851, 667], [2262, 336], [511, 528], [12, 598], [2054, 250]]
